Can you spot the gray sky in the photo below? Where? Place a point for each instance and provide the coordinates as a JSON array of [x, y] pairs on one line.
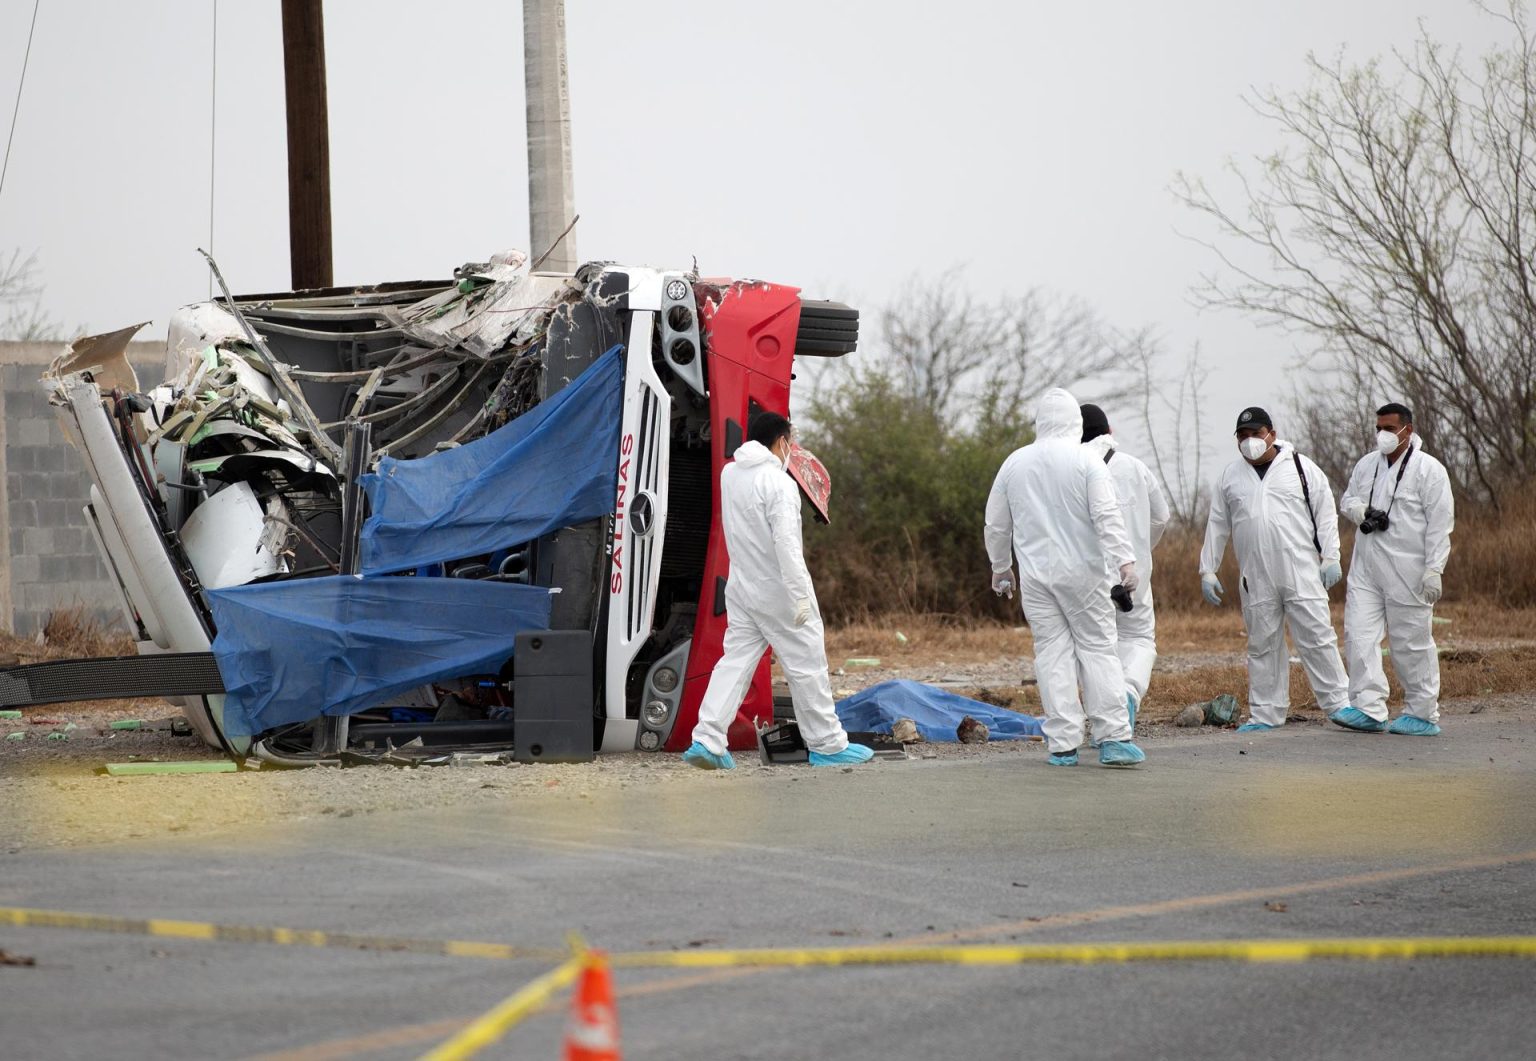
[[838, 146]]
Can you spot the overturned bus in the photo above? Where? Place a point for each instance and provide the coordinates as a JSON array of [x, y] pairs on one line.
[[332, 518]]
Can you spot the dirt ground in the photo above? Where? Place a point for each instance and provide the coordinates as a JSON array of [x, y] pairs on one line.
[[51, 791]]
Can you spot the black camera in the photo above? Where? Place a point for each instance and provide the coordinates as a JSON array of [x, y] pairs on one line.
[[1121, 596], [1375, 520]]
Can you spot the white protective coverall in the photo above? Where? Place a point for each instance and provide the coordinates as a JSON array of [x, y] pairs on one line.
[[1268, 522], [1145, 511], [1386, 576], [760, 514], [1053, 505]]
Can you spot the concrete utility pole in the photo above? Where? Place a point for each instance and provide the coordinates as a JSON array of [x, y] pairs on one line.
[[551, 191], [309, 148]]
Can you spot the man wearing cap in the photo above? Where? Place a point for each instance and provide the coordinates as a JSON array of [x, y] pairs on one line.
[[1276, 507], [1145, 511]]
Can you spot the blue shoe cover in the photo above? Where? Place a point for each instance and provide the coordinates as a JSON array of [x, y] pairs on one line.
[[1120, 753], [1063, 758], [704, 759], [849, 756], [1408, 726], [1355, 719], [1130, 707], [1254, 727]]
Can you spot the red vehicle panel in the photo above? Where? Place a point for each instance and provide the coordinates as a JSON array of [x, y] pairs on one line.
[[749, 338]]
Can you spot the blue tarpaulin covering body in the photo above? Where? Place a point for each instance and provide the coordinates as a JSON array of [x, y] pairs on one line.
[[936, 712], [292, 651], [552, 467]]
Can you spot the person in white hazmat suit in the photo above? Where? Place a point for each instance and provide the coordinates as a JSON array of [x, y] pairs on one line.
[[769, 602], [1400, 498], [1053, 507], [1276, 507], [1145, 511]]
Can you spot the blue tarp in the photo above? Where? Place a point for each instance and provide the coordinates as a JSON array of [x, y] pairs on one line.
[[291, 651], [552, 467], [936, 712]]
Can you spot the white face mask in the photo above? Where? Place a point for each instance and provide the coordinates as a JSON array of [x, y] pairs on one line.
[[1386, 442], [1253, 448]]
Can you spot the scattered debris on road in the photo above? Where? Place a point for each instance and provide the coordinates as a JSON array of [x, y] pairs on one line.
[[1191, 716], [970, 731]]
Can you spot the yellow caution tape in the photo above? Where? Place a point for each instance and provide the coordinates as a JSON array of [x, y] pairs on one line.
[[1271, 950], [485, 1030], [1092, 953], [282, 936]]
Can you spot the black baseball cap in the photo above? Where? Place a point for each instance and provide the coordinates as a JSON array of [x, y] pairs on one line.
[[1095, 423], [1253, 416]]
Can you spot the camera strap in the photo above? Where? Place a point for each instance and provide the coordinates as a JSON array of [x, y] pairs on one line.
[[1306, 495], [1402, 467]]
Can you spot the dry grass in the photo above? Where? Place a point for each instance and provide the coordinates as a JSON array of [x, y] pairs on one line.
[[1493, 560], [69, 634], [935, 639], [1487, 651]]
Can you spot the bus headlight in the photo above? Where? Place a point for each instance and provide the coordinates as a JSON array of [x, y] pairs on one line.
[[664, 680], [656, 713]]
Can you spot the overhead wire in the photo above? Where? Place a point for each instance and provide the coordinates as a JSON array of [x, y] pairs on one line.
[[21, 84]]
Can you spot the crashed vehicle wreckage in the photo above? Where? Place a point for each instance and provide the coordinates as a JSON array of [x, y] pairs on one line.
[[340, 517]]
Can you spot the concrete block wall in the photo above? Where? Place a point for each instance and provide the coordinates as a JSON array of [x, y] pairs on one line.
[[51, 558]]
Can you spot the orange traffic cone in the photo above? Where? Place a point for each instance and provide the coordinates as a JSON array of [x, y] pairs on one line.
[[593, 1031]]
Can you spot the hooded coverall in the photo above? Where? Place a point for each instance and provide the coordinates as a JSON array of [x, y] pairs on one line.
[[760, 514], [1145, 511], [1386, 576], [1271, 526], [1053, 506]]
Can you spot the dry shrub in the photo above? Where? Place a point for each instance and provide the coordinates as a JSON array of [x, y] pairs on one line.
[[74, 632], [1493, 555], [1493, 561]]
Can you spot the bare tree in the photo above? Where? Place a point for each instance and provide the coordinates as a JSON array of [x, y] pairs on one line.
[[957, 357], [1397, 226], [21, 309], [1171, 402]]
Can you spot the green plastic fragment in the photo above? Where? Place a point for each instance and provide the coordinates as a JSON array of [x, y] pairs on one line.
[[16, 736], [12, 715], [864, 661], [129, 723], [210, 766]]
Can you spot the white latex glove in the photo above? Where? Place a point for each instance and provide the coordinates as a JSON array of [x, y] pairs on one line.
[[1331, 574], [1128, 577], [1210, 589], [1355, 512], [1430, 588], [802, 611], [1002, 583]]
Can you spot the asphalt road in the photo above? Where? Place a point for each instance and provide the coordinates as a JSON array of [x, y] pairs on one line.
[[1307, 833]]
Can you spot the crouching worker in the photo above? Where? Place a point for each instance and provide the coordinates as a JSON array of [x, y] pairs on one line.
[[769, 603], [1053, 508]]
